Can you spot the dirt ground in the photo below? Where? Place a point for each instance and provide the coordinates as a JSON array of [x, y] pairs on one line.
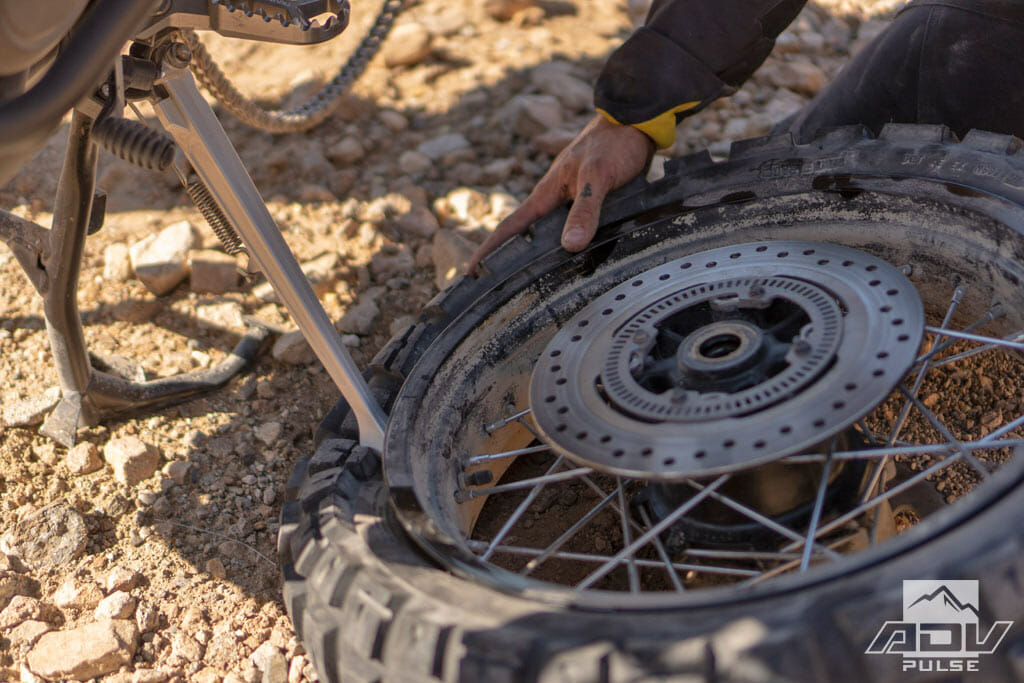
[[382, 219]]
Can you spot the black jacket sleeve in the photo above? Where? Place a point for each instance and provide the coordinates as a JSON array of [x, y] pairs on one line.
[[689, 53]]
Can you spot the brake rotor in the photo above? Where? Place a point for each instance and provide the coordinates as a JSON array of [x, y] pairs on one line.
[[726, 359]]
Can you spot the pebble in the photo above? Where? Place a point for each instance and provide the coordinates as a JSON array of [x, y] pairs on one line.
[[178, 471], [438, 147], [83, 458], [85, 652], [147, 617], [393, 120], [348, 150], [407, 45], [51, 537], [160, 261], [451, 253], [311, 193], [319, 272], [268, 432], [117, 605], [503, 10], [121, 579], [465, 204], [497, 171], [359, 319], [133, 461], [27, 633], [13, 584], [572, 93], [533, 115], [212, 271], [31, 411], [293, 349], [147, 497], [117, 263], [411, 162], [226, 316], [419, 221], [24, 608], [83, 596]]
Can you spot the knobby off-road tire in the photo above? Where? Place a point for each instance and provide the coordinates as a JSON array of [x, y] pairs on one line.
[[369, 605]]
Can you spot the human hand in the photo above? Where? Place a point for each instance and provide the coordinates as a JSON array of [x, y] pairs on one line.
[[603, 157]]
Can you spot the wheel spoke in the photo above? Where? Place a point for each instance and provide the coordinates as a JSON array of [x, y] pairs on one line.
[[663, 554], [495, 426], [763, 520], [981, 339], [640, 562], [928, 449], [985, 348], [634, 576], [939, 346], [942, 429], [527, 483], [569, 533], [895, 490], [490, 457], [819, 503], [644, 538], [520, 509]]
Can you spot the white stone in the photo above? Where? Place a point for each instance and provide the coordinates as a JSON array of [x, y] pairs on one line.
[[268, 432], [178, 471], [532, 115], [117, 605], [117, 264], [293, 349], [408, 44], [438, 147], [359, 319], [132, 460], [31, 411], [160, 261], [85, 652], [348, 150], [572, 93], [419, 221], [83, 458]]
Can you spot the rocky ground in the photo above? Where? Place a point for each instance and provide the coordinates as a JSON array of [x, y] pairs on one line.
[[146, 553]]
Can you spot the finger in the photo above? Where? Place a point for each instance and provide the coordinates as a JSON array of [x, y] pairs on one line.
[[581, 224], [544, 198]]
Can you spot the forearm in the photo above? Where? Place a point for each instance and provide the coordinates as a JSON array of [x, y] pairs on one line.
[[688, 54]]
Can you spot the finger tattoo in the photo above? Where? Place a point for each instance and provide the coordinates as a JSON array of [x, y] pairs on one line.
[[587, 192]]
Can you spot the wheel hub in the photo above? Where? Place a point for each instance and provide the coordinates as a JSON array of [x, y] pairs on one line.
[[725, 359]]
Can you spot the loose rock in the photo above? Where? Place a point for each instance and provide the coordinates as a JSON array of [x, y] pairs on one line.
[[348, 150], [82, 596], [293, 349], [418, 222], [31, 411], [503, 10], [85, 652], [571, 92], [269, 432], [451, 253], [23, 608], [117, 264], [84, 458], [360, 318], [212, 271], [50, 537], [408, 44], [216, 568], [133, 461], [443, 145], [532, 115], [27, 633], [117, 605], [160, 261], [13, 583], [178, 471]]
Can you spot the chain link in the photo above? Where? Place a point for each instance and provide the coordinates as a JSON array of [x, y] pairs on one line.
[[322, 105]]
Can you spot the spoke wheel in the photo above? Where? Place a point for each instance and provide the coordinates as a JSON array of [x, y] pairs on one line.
[[771, 389]]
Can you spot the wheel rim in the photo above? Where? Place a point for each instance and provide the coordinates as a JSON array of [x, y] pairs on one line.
[[442, 506]]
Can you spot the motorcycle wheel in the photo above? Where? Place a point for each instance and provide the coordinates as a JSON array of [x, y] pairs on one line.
[[410, 567]]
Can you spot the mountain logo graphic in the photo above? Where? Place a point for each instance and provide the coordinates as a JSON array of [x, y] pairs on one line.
[[941, 601]]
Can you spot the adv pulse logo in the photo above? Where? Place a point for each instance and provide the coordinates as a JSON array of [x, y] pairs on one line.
[[941, 629]]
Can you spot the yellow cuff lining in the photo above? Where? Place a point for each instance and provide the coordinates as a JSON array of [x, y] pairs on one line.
[[662, 128]]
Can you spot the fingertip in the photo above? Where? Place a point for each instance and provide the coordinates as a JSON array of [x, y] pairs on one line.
[[574, 238]]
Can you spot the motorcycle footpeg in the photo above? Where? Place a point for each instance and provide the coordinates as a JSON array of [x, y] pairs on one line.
[[302, 22]]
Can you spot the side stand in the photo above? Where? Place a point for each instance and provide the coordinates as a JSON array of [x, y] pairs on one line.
[[52, 260]]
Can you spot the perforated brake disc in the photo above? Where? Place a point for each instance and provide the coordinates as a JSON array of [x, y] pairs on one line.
[[726, 359]]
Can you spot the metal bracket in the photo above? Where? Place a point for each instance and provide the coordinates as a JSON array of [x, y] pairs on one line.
[[189, 120]]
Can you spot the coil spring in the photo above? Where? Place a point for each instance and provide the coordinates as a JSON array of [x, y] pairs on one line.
[[134, 142], [200, 196]]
